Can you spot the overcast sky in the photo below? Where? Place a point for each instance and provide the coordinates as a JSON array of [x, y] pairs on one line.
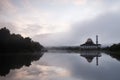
[[62, 22]]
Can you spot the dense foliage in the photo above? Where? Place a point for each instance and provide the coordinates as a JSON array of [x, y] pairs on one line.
[[16, 43], [115, 47]]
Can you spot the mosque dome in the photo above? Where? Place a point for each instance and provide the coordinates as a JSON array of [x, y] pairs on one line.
[[89, 41]]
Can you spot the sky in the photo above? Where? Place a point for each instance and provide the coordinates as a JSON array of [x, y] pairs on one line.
[[62, 22]]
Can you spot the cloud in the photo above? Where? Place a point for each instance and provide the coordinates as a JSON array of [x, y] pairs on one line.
[[64, 2], [106, 26], [32, 29], [59, 19], [6, 6]]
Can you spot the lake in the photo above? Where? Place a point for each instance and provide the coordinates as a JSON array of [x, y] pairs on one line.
[[61, 65]]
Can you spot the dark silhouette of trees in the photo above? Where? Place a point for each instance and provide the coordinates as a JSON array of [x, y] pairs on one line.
[[16, 43], [115, 47]]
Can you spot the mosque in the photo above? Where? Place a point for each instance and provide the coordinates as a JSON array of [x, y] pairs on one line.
[[90, 45], [90, 50]]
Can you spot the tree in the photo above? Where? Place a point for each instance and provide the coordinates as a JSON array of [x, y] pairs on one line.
[[16, 43]]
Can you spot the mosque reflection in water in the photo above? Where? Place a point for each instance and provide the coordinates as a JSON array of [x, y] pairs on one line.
[[90, 55]]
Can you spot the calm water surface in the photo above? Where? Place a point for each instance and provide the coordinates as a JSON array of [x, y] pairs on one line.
[[68, 66]]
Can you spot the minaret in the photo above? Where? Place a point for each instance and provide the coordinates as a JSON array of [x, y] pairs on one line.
[[97, 39], [97, 47]]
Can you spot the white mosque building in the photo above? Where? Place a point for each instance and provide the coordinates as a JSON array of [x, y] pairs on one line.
[[90, 45]]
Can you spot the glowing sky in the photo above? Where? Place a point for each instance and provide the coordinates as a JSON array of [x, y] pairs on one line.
[[72, 21]]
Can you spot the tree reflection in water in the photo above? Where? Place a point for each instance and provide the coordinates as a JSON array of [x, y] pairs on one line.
[[8, 62], [115, 55]]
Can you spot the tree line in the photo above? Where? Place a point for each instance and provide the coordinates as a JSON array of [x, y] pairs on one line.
[[16, 43], [113, 48]]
